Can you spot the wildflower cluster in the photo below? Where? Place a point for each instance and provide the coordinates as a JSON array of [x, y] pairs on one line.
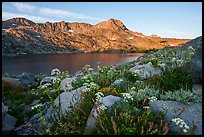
[[87, 78], [169, 58], [181, 124], [56, 82], [102, 69], [91, 86], [55, 72], [87, 69], [127, 96], [102, 107], [37, 106], [45, 86], [99, 95]]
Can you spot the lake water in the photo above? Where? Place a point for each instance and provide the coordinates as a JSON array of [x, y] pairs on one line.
[[37, 64]]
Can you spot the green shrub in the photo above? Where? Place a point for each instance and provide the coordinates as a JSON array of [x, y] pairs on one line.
[[122, 119], [175, 78], [182, 96]]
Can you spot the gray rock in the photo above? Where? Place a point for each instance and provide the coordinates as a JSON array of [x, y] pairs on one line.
[[26, 75], [8, 124], [67, 100], [187, 112], [47, 80], [107, 101], [35, 118], [35, 102], [23, 81], [66, 83], [145, 70], [29, 129], [27, 79], [117, 83], [4, 111], [197, 57], [197, 89]]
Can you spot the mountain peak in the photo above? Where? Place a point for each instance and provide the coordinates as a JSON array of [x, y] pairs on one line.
[[112, 24], [15, 22]]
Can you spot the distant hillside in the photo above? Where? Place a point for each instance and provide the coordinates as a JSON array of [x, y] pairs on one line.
[[22, 36]]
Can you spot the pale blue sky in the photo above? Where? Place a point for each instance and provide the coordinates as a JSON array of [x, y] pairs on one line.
[[166, 19]]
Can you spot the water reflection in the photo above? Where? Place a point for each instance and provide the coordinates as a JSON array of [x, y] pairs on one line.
[[71, 62]]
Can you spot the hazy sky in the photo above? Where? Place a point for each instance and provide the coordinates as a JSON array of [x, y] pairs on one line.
[[166, 19]]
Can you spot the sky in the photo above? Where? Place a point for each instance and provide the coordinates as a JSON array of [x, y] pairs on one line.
[[165, 19]]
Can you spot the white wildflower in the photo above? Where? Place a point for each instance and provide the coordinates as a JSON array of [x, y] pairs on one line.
[[184, 130], [133, 88], [90, 69], [153, 98], [127, 96], [146, 107], [102, 107], [45, 85], [56, 80], [173, 59], [186, 127], [55, 72], [99, 95], [36, 106], [150, 63], [181, 124]]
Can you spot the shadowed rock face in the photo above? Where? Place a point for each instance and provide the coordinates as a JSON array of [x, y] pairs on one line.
[[27, 37], [197, 58]]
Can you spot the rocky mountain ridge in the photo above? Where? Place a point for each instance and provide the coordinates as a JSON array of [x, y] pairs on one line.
[[27, 37]]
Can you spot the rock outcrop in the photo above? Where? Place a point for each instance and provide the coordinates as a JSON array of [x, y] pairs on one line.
[[189, 113], [8, 121], [145, 70], [20, 82], [67, 100]]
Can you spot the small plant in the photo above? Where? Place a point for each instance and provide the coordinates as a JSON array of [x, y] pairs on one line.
[[126, 120], [175, 78], [109, 91], [181, 95]]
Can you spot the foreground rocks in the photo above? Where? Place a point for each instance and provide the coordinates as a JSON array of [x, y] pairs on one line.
[[47, 80], [191, 112], [145, 71], [8, 121], [20, 82], [197, 57], [66, 84], [197, 89], [107, 101], [68, 100]]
